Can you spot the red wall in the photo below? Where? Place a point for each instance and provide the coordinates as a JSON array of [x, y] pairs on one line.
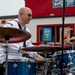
[[43, 8]]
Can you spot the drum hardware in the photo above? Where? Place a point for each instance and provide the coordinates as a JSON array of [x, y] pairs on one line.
[[40, 67], [8, 35], [49, 54], [55, 72], [15, 65], [29, 66], [58, 72], [72, 70], [40, 71], [26, 55], [69, 74], [69, 63], [54, 66], [43, 48], [70, 58], [45, 55], [74, 56]]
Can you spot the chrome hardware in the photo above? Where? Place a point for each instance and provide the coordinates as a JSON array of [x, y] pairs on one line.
[[15, 65]]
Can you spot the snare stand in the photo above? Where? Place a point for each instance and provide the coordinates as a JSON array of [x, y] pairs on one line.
[[45, 54]]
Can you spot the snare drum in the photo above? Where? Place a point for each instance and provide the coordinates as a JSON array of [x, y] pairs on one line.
[[68, 59], [21, 66]]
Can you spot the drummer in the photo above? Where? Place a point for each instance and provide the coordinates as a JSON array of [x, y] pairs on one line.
[[14, 49]]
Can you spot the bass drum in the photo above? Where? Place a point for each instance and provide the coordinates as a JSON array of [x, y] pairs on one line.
[[24, 66]]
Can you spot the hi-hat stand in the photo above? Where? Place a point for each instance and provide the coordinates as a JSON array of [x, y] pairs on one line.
[[6, 64]]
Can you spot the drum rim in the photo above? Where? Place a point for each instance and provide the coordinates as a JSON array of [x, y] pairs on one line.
[[66, 51], [21, 60]]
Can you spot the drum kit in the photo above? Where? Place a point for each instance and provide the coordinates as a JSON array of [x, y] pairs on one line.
[[13, 35]]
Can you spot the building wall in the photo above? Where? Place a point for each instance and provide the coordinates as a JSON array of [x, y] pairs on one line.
[[41, 21]]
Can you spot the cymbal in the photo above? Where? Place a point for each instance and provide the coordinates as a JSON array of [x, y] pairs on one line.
[[51, 48], [13, 35], [43, 48], [33, 48]]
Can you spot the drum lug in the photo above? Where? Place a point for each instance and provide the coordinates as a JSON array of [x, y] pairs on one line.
[[64, 64], [15, 65], [74, 56], [54, 66], [69, 74], [57, 62], [70, 64], [70, 58], [29, 66], [72, 70]]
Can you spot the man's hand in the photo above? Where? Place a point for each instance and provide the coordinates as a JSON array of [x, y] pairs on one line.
[[39, 58]]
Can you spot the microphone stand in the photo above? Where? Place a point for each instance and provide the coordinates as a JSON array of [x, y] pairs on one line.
[[63, 18]]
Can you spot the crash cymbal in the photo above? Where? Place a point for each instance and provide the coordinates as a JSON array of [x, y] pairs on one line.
[[13, 35], [43, 48], [50, 48]]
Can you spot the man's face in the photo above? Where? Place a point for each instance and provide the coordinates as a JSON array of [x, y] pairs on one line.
[[27, 16]]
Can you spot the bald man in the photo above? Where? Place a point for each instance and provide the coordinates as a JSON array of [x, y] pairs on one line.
[[14, 49], [24, 17]]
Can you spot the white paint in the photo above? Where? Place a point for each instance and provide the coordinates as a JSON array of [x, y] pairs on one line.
[[10, 7]]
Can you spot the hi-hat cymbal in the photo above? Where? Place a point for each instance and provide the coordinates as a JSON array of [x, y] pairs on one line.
[[50, 48], [13, 35], [33, 48], [43, 48]]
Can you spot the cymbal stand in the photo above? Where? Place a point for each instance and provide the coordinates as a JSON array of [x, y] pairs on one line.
[[45, 54], [6, 47]]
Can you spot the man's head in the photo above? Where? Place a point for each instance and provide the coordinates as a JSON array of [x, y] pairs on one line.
[[25, 15]]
